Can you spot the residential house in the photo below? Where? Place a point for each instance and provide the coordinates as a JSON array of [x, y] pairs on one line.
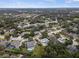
[[31, 45], [16, 42], [72, 48], [44, 41], [3, 41]]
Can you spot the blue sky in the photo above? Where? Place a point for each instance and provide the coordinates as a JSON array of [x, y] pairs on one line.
[[38, 3]]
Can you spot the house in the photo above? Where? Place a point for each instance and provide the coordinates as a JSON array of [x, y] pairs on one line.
[[31, 45], [36, 33], [72, 48], [8, 45], [16, 38], [2, 37], [61, 40], [44, 41], [15, 42], [3, 41]]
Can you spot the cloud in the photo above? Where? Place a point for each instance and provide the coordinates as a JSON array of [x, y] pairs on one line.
[[38, 3], [27, 3], [71, 1], [31, 4], [75, 0]]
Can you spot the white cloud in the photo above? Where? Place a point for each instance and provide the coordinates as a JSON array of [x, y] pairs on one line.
[[75, 0], [71, 1], [24, 5]]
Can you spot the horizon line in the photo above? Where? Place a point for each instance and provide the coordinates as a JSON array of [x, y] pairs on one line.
[[42, 8]]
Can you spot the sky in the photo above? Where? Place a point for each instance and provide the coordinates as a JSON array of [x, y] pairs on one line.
[[39, 3]]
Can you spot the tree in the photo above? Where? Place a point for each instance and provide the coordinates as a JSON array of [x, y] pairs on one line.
[[7, 35], [56, 50], [14, 51], [38, 52], [31, 33], [76, 54], [77, 46], [68, 42], [2, 50], [44, 34]]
